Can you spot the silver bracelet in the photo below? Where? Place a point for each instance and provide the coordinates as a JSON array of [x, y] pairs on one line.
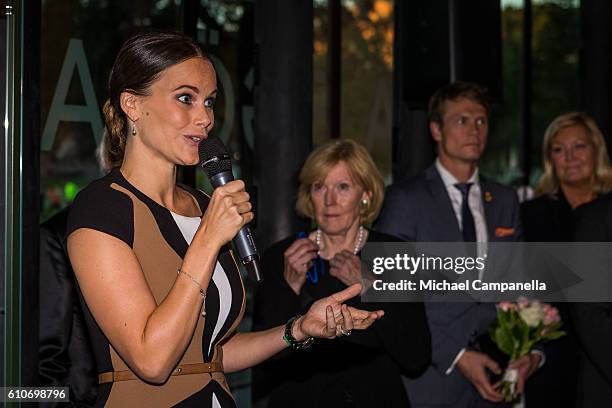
[[202, 292]]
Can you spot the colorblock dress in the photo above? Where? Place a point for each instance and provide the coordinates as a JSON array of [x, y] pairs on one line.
[[160, 239]]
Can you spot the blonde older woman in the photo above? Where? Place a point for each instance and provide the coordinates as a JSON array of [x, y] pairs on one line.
[[342, 191], [576, 171]]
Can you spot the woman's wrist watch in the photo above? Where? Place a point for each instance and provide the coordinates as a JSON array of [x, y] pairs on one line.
[[291, 341]]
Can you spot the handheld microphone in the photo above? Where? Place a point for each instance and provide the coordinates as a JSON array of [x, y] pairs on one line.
[[216, 163]]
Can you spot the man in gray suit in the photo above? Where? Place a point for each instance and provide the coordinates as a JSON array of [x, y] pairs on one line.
[[450, 202]]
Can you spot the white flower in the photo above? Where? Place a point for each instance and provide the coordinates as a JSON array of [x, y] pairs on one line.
[[532, 314]]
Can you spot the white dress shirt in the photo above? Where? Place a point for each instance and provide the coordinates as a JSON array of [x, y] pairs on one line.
[[474, 200]]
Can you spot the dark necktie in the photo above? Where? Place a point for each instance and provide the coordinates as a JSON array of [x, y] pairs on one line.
[[467, 219]]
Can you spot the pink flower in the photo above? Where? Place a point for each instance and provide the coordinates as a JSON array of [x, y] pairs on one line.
[[551, 316], [505, 306]]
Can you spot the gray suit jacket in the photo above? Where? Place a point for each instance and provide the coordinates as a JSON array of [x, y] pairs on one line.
[[420, 210]]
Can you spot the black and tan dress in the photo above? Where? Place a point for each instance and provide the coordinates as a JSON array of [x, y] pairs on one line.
[[160, 239]]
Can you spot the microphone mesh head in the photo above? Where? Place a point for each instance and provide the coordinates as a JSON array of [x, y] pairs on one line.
[[214, 157]]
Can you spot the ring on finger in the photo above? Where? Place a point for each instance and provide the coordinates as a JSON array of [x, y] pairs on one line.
[[345, 332]]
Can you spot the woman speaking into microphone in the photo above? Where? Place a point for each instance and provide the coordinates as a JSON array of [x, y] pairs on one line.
[[163, 291]]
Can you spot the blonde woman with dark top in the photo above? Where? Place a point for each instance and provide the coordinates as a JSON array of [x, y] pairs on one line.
[[576, 171], [342, 191]]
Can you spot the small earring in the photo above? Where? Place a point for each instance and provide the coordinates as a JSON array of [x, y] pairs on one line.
[[364, 202], [134, 131]]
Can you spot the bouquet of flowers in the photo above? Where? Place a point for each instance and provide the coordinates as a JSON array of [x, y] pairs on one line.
[[519, 327]]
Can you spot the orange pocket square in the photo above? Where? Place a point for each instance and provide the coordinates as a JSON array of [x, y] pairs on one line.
[[501, 232]]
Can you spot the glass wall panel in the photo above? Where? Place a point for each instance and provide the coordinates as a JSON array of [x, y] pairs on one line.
[[555, 51], [320, 109], [366, 76], [554, 78], [11, 185], [501, 160], [3, 113]]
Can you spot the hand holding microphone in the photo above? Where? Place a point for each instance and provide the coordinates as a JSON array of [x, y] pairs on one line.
[[215, 161], [229, 210]]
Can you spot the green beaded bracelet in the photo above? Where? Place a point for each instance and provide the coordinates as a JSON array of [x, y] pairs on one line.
[[291, 341]]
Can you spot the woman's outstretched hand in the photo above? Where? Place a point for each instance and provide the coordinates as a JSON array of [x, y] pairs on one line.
[[329, 317]]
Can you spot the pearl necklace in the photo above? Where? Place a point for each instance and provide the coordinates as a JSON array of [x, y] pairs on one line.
[[357, 243]]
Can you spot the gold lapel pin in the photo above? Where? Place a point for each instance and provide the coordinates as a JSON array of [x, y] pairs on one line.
[[488, 196]]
